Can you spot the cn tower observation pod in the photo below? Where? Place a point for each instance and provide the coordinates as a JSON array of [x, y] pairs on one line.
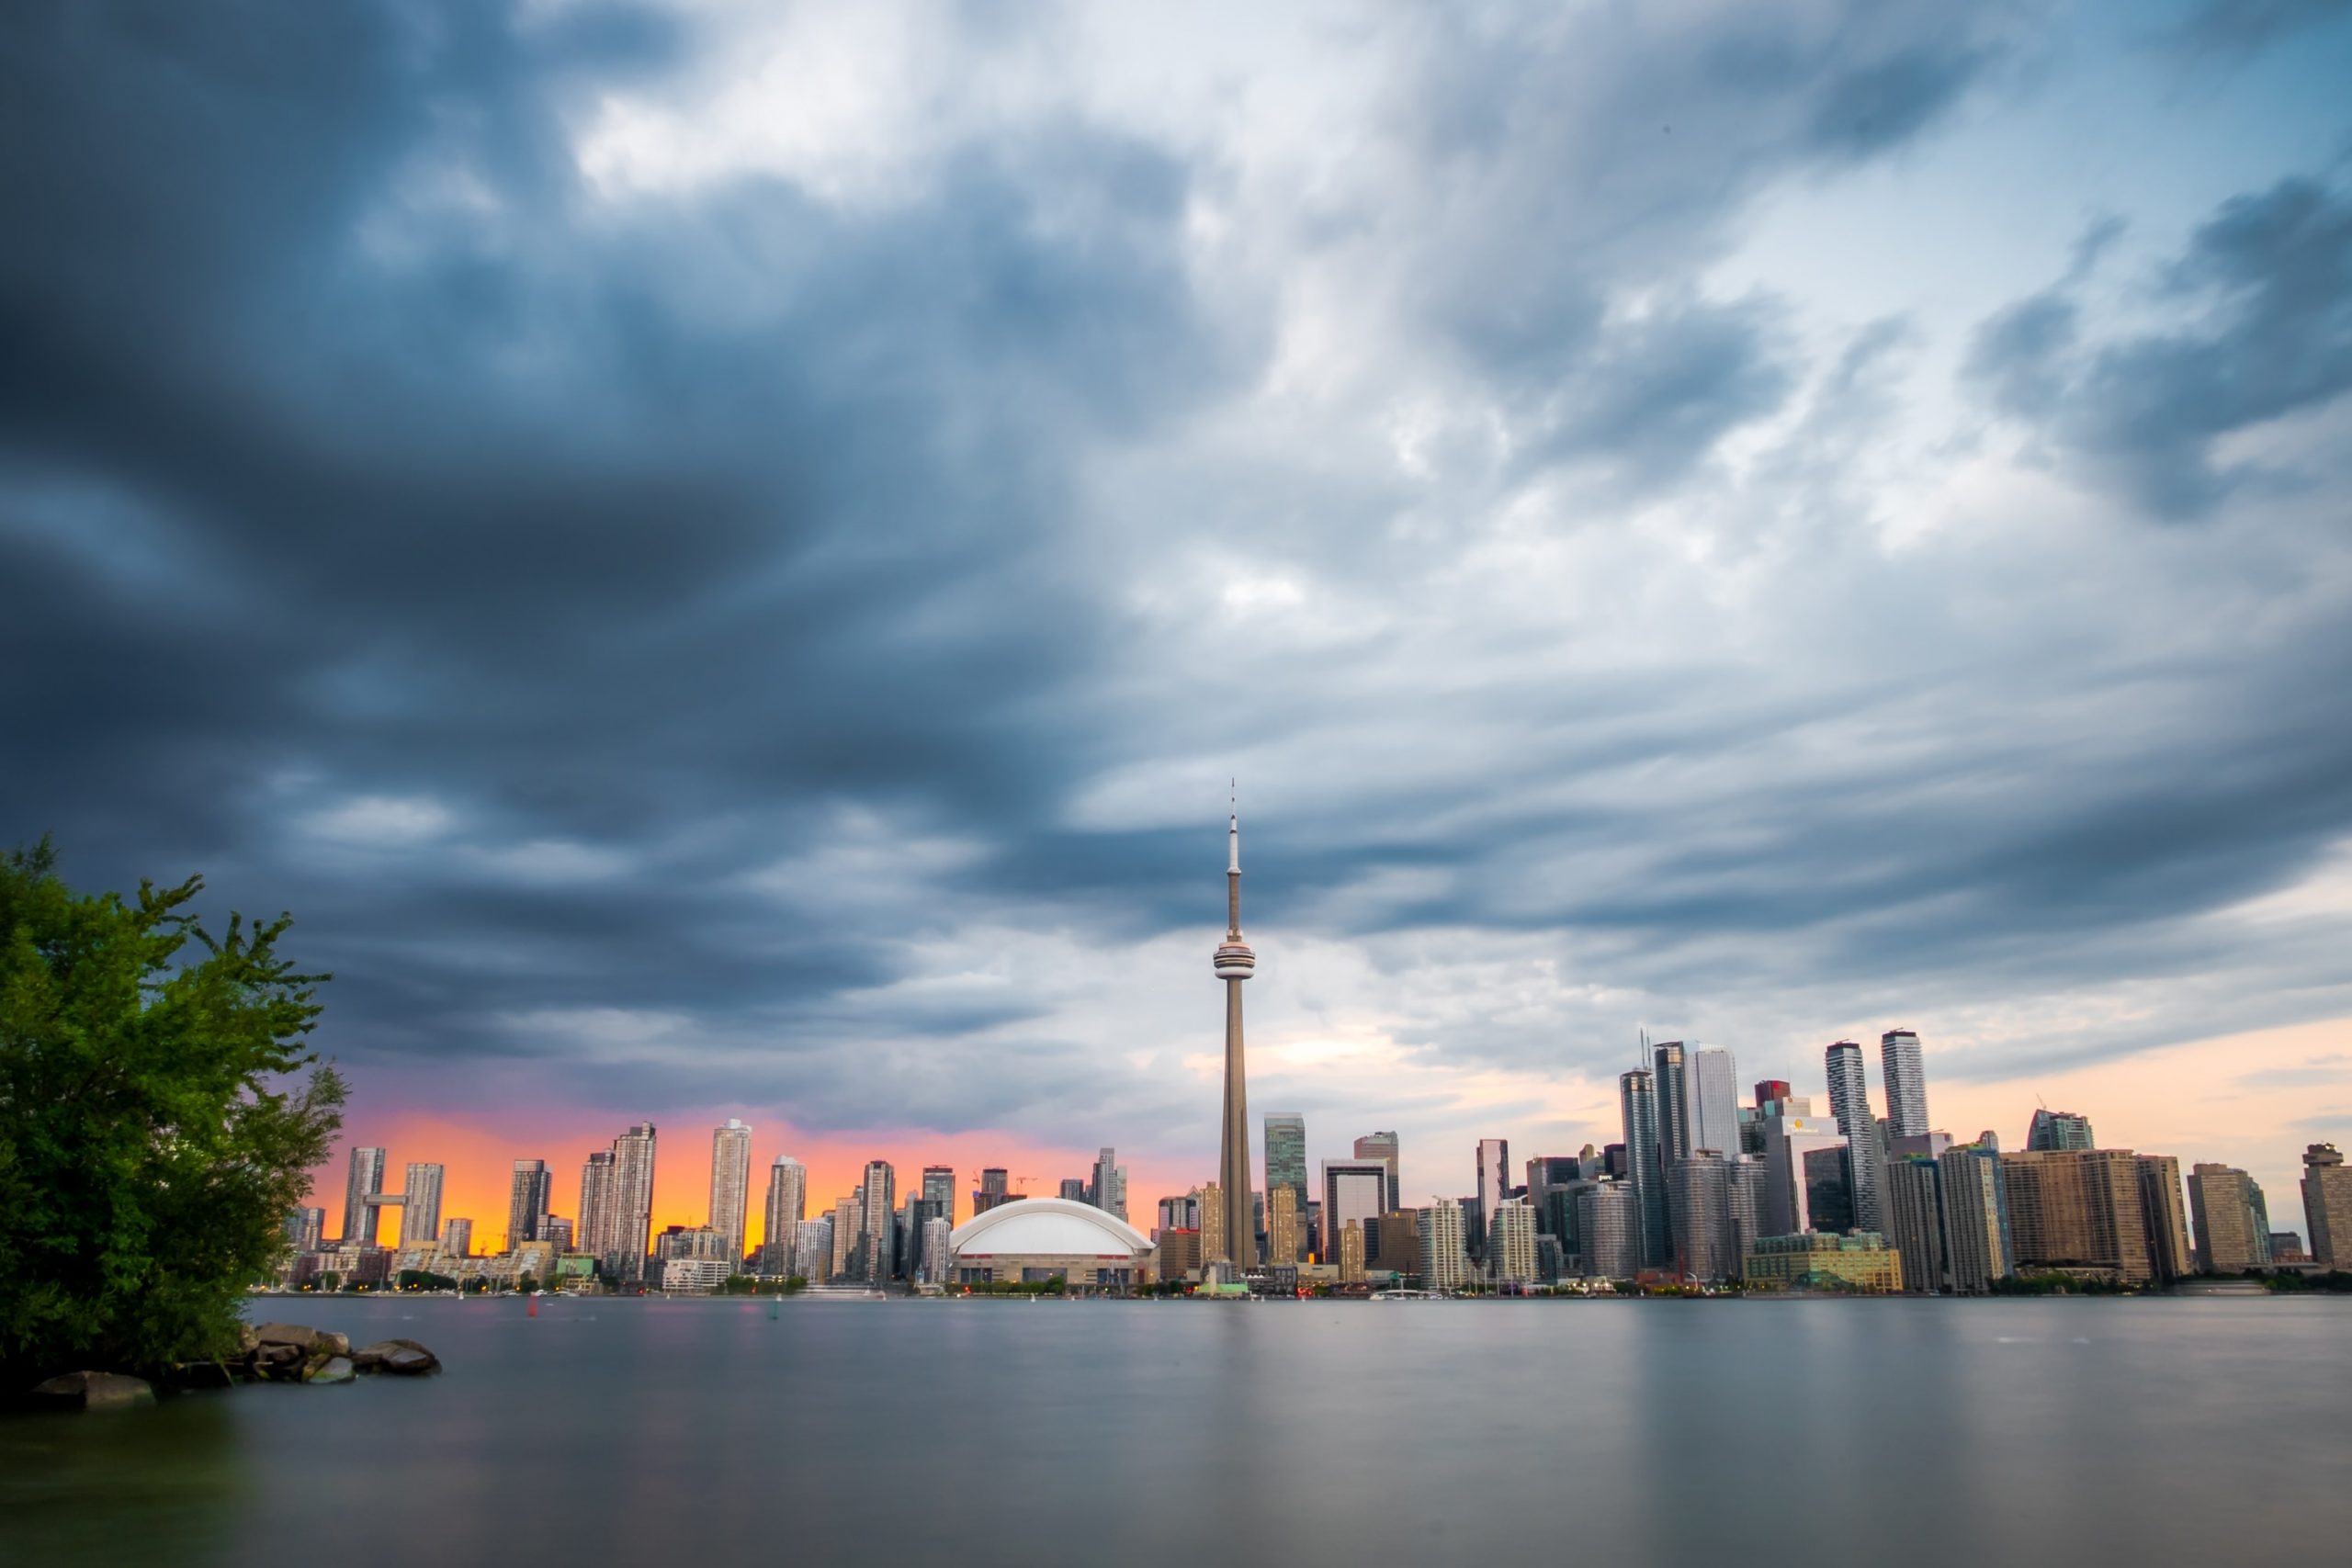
[[1032, 1240]]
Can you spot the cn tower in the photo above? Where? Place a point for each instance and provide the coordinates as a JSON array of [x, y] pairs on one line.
[[1235, 964]]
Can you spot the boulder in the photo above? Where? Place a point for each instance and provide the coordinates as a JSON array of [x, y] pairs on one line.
[[247, 1340], [304, 1339], [92, 1390], [411, 1363], [334, 1344], [370, 1357], [334, 1368]]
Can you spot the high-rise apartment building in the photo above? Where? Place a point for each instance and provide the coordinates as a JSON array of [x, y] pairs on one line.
[[992, 1190], [306, 1229], [1284, 1242], [1849, 1101], [1745, 1186], [1444, 1261], [1790, 1141], [1670, 1078], [1511, 1244], [1353, 1191], [1916, 1221], [1907, 1096], [1609, 1229], [812, 1248], [2163, 1212], [1394, 1246], [528, 1198], [1210, 1202], [877, 1197], [2077, 1209], [1637, 1106], [457, 1237], [632, 1220], [731, 1184], [556, 1231], [1705, 1246], [2232, 1233], [597, 1232], [786, 1207], [421, 1204], [360, 1187], [1713, 1077], [1073, 1190], [1382, 1146], [1109, 1184], [938, 1190], [1285, 1165], [1976, 1212], [2327, 1205], [1351, 1268], [847, 1226], [2058, 1130], [935, 1232], [1491, 1187]]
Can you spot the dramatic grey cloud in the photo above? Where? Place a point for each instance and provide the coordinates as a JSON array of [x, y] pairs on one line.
[[726, 555]]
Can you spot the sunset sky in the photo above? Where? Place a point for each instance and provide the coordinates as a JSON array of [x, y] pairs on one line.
[[719, 559]]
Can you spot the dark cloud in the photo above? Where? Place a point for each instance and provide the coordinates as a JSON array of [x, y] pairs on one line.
[[2270, 277]]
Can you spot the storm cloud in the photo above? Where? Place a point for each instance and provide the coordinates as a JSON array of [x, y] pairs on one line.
[[728, 556]]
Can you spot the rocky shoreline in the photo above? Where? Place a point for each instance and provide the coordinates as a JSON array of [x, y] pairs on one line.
[[274, 1352]]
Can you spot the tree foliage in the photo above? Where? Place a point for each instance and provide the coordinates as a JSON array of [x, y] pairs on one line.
[[154, 1133]]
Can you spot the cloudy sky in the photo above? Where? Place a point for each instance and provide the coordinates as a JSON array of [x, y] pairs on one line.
[[719, 558]]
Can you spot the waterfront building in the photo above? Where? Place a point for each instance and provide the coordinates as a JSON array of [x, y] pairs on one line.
[[1609, 1224], [1700, 1203], [529, 1197], [1179, 1253], [1233, 1241], [1858, 1261], [2286, 1246], [877, 1196], [846, 1233], [2327, 1205], [1352, 1254], [306, 1229], [1283, 1244], [786, 1207], [1181, 1213], [421, 1204], [1830, 1189], [1637, 1107], [992, 1190], [556, 1231], [813, 1249], [731, 1183], [1354, 1192], [1745, 1186], [2077, 1209], [1382, 1146], [632, 1217], [1915, 1208], [1906, 1089], [703, 1242], [597, 1234], [1849, 1102], [2166, 1216], [1209, 1200], [694, 1276], [1047, 1239], [1444, 1260], [2058, 1130], [937, 1233], [1714, 1078], [1285, 1167], [1492, 1185], [1393, 1244], [1975, 1212], [361, 1185], [1789, 1141], [1510, 1243], [2233, 1231]]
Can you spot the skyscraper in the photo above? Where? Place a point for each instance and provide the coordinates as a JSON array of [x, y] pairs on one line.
[[1672, 1083], [787, 1206], [306, 1229], [1974, 1204], [812, 1248], [1915, 1218], [730, 1183], [992, 1190], [1491, 1187], [1907, 1096], [632, 1217], [1354, 1189], [1285, 1167], [1705, 1246], [527, 1201], [2058, 1130], [877, 1196], [939, 1187], [1849, 1101], [1109, 1184], [1212, 1207], [1511, 1244], [1284, 1242], [2233, 1234], [2327, 1205], [1609, 1226], [1235, 1241], [1444, 1265], [1637, 1103], [2077, 1208], [1382, 1146], [1714, 1078], [1790, 1142], [365, 1181], [421, 1204], [457, 1237], [2170, 1257], [597, 1230]]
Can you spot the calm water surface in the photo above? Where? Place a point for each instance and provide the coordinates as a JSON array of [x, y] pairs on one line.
[[988, 1432]]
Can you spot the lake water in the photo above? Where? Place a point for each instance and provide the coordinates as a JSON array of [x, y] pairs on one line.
[[842, 1432]]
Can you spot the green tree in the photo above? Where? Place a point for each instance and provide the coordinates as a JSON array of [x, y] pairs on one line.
[[156, 1123]]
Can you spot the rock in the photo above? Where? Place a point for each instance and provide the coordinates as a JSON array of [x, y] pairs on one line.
[[247, 1340], [304, 1339], [335, 1368], [334, 1344], [202, 1374], [411, 1363], [370, 1357], [92, 1390]]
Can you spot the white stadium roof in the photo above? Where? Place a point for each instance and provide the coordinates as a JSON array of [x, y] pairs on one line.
[[1047, 1227]]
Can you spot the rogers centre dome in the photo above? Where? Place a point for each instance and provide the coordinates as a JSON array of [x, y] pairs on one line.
[[1032, 1240]]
